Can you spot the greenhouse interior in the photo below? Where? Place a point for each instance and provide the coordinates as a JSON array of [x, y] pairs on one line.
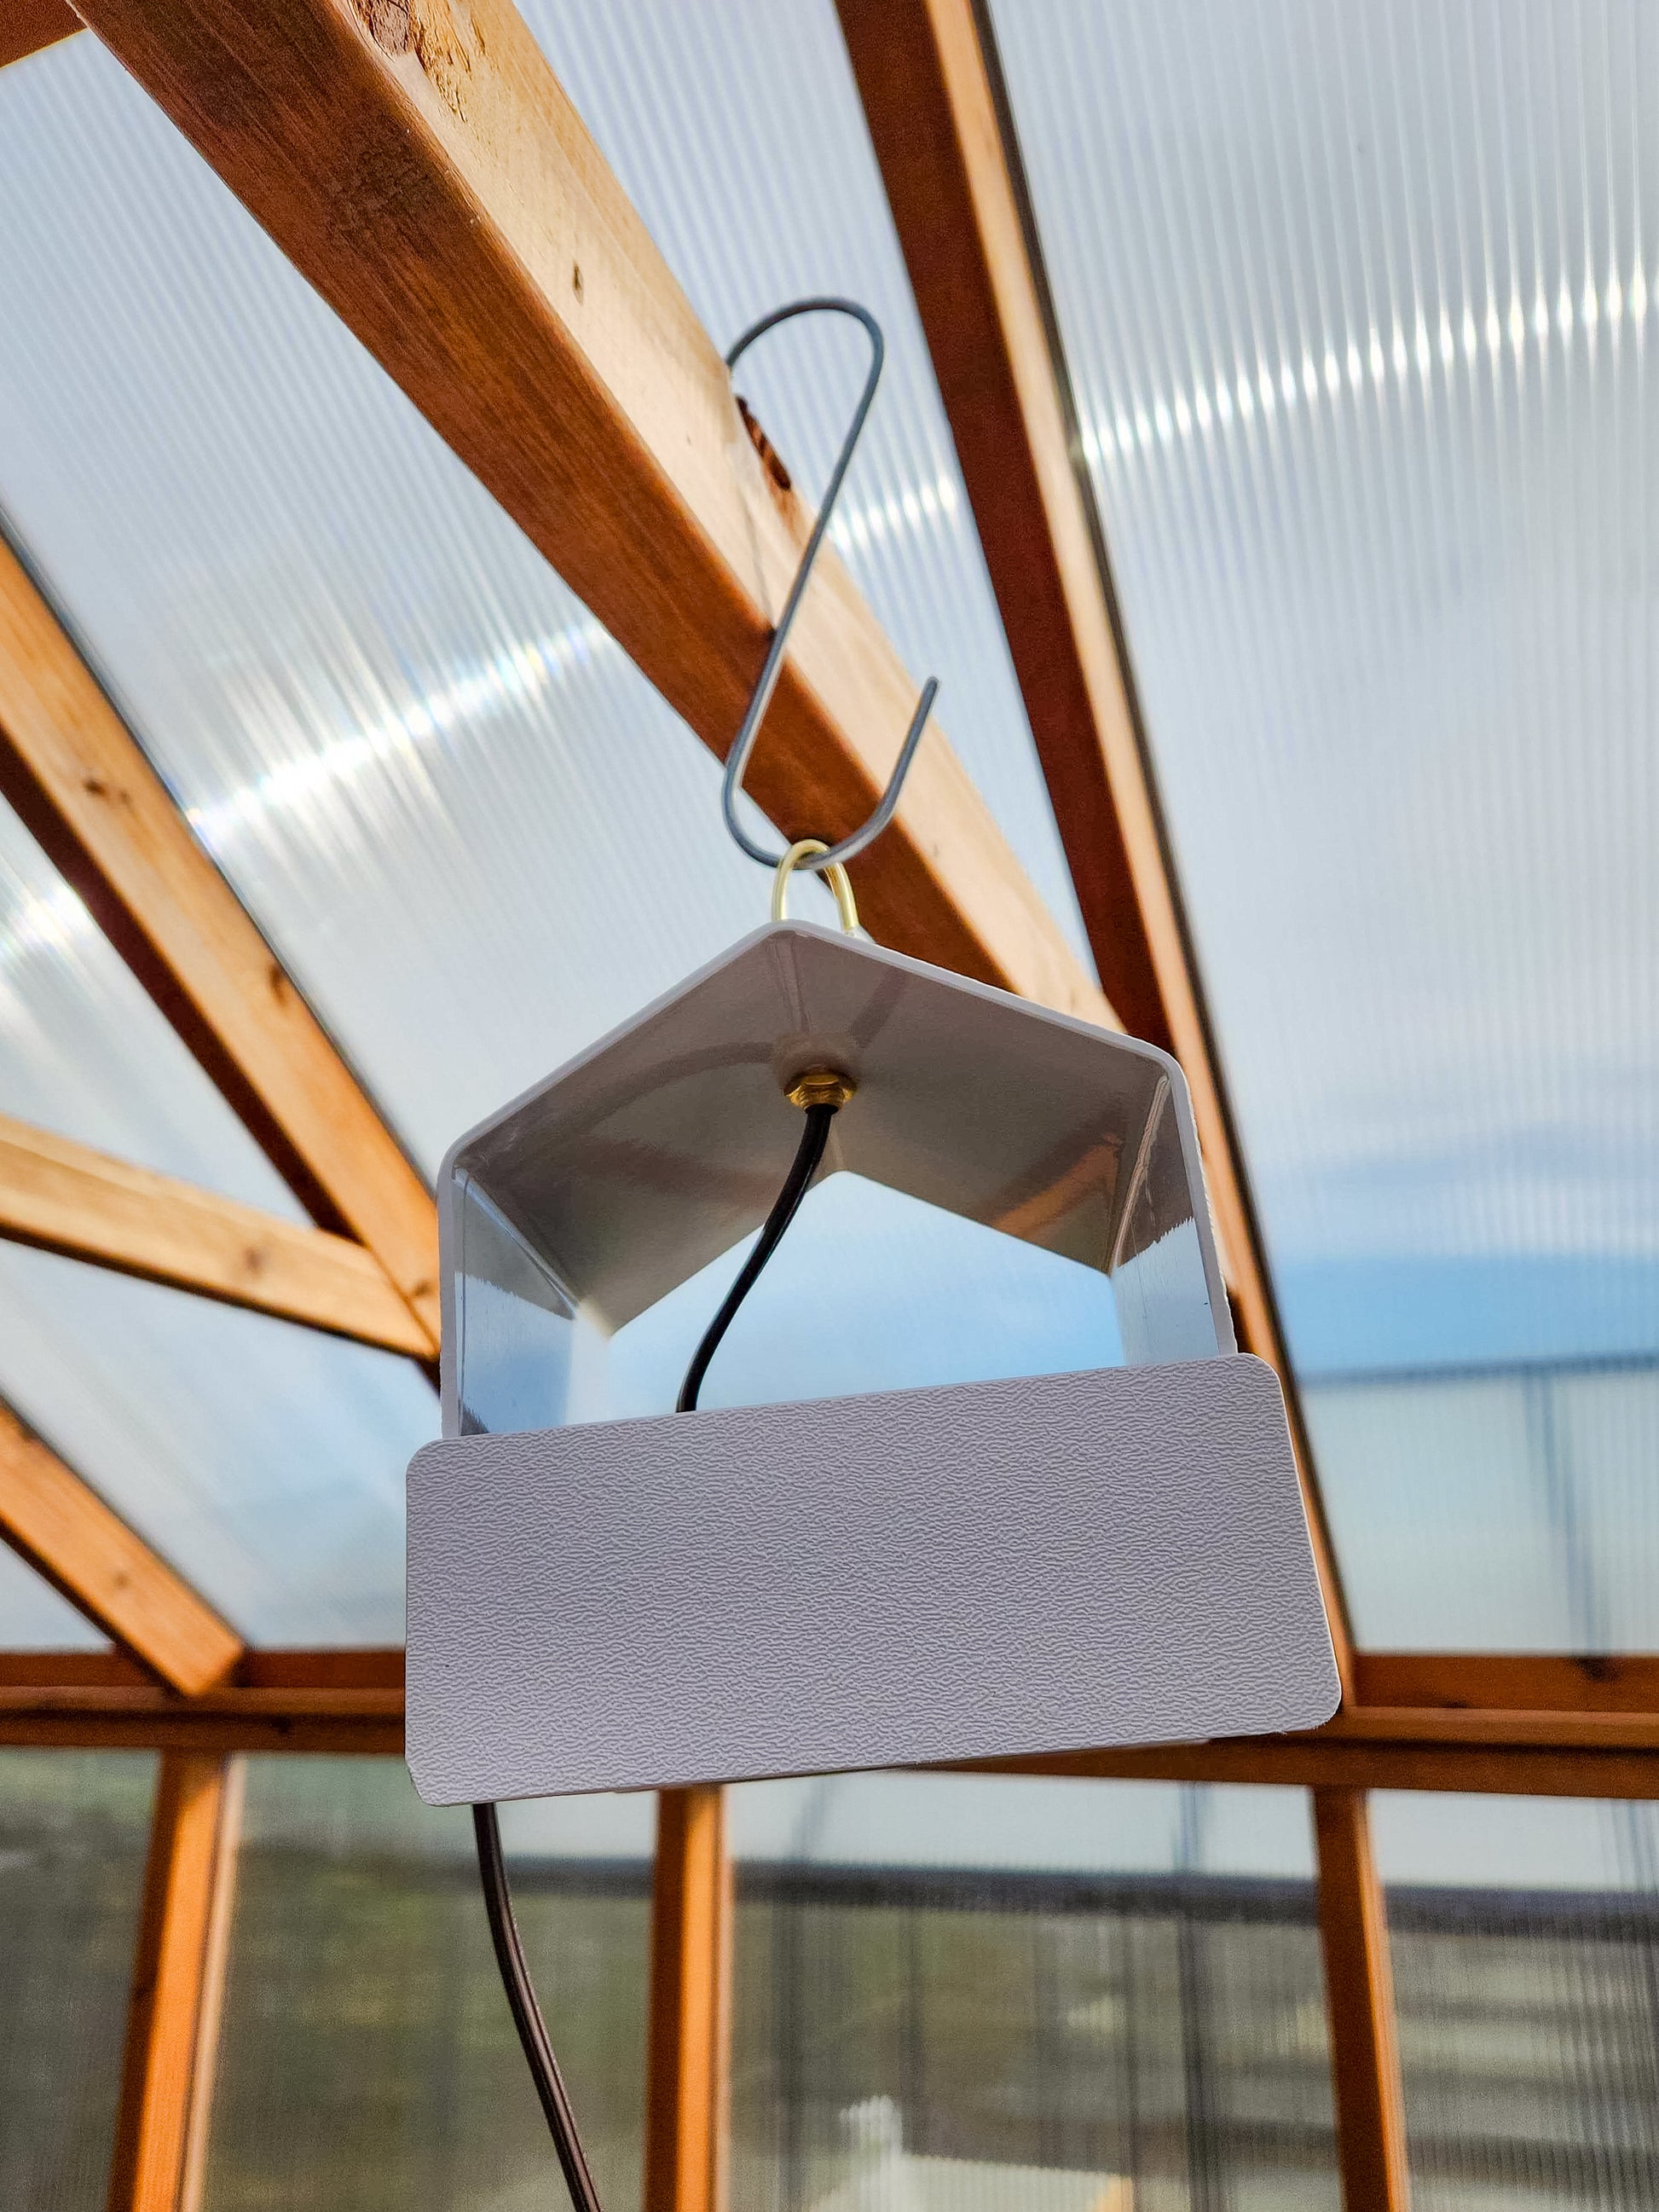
[[1011, 1787]]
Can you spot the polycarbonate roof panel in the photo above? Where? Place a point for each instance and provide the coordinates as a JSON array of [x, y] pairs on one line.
[[1361, 308], [265, 1462], [474, 833], [85, 1053], [32, 1616]]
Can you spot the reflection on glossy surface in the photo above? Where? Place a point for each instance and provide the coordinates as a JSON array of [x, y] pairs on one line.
[[995, 1156]]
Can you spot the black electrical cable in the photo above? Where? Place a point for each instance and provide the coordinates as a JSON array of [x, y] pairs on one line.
[[810, 1153], [486, 1828], [527, 2014]]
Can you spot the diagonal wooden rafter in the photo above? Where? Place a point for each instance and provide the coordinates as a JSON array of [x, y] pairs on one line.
[[958, 203], [64, 1530], [82, 786], [28, 26], [418, 161], [64, 1197]]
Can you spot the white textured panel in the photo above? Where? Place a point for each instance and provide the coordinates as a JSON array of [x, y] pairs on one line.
[[926, 1575]]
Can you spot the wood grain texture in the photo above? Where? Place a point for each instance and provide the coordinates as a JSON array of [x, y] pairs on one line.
[[1354, 1931], [28, 26], [209, 2011], [141, 1723], [170, 1984], [1318, 1762], [690, 2005], [64, 1529], [418, 161], [350, 1701], [64, 1197], [1511, 1682], [272, 1668], [958, 200], [74, 773]]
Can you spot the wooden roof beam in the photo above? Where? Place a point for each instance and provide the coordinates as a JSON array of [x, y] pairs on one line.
[[77, 777], [420, 164], [26, 26], [960, 208], [63, 1530], [64, 1197]]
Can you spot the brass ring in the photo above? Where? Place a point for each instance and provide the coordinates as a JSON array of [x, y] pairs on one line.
[[835, 874]]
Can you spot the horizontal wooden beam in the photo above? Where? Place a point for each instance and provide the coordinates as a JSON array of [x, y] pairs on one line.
[[1506, 1681], [421, 165], [74, 773], [64, 1529], [345, 1668], [945, 142], [64, 1197], [28, 26], [1321, 1762], [353, 1701], [147, 1719]]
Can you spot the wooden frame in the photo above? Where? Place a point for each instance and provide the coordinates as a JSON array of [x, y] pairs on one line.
[[64, 1197], [74, 773], [554, 352], [1353, 1932], [28, 26], [183, 1943], [66, 1533], [690, 2004]]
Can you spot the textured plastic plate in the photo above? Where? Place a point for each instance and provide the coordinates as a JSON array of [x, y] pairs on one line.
[[1037, 1565]]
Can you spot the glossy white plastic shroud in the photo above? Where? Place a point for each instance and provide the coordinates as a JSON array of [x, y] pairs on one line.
[[1034, 1565]]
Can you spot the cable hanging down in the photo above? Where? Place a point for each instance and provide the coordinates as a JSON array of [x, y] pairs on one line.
[[820, 1093]]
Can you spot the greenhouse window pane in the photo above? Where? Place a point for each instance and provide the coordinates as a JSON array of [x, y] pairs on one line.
[[1525, 1937], [74, 1826], [262, 1460], [367, 2057], [963, 1994], [1356, 304]]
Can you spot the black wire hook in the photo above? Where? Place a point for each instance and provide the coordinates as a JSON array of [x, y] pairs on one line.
[[736, 761]]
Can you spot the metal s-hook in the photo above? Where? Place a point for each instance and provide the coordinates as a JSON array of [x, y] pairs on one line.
[[736, 761]]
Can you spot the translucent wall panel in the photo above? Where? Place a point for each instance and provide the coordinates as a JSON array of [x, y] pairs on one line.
[[367, 2057], [73, 1829], [1358, 305], [265, 1461], [1544, 1473], [1042, 1997], [473, 831], [1526, 1955]]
